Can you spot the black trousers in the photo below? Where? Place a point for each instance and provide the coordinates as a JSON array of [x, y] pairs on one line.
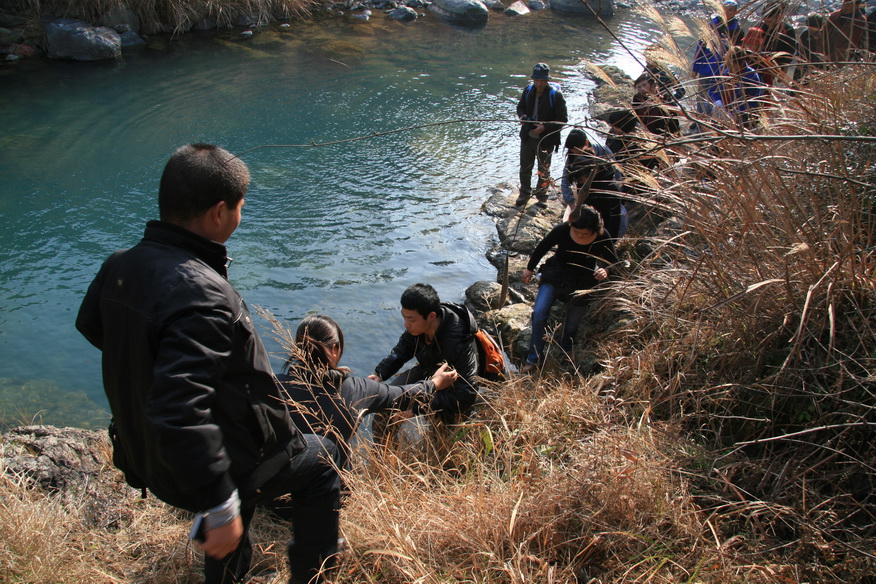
[[311, 483]]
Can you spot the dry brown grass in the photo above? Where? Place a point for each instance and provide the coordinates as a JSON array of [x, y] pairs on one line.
[[178, 15]]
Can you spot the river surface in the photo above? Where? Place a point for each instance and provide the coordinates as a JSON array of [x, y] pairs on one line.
[[340, 229]]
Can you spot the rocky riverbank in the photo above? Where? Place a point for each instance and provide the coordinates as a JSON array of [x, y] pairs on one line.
[[76, 36]]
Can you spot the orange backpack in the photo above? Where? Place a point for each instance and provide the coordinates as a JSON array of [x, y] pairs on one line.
[[491, 360]]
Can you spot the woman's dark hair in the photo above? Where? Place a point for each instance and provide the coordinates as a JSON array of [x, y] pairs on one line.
[[310, 361], [586, 217], [315, 336], [815, 19]]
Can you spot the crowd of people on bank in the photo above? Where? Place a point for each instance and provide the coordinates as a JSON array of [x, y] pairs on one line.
[[202, 421]]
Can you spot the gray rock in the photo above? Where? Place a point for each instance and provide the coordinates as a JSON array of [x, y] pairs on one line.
[[67, 38], [131, 39], [586, 8], [495, 5], [512, 325], [403, 14], [71, 464], [360, 17], [9, 36], [536, 5], [205, 24], [121, 15], [465, 12], [417, 3], [518, 8], [482, 296]]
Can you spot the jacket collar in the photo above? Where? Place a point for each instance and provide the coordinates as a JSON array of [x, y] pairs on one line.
[[213, 254]]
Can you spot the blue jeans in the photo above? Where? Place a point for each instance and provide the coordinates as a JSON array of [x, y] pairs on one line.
[[576, 308]]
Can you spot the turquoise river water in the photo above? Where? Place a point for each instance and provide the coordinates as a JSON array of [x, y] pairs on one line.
[[339, 229]]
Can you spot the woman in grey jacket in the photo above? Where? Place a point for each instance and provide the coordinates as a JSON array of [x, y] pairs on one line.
[[327, 400]]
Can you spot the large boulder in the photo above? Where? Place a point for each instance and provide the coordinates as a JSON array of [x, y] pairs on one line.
[[67, 38], [464, 12], [585, 7]]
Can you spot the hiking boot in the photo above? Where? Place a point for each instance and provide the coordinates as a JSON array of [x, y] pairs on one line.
[[521, 200]]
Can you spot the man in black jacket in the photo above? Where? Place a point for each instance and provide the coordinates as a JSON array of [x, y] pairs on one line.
[[198, 418], [540, 104], [435, 332]]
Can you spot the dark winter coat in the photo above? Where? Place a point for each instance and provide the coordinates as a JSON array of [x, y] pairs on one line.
[[454, 343], [195, 405]]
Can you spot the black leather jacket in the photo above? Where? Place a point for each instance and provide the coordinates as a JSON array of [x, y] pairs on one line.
[[454, 343], [195, 405]]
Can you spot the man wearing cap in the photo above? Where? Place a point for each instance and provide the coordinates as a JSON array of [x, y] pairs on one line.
[[729, 26], [542, 109]]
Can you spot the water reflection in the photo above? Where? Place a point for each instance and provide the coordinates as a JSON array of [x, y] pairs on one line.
[[339, 229]]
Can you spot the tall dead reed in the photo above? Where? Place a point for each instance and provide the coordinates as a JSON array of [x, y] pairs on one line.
[[754, 323]]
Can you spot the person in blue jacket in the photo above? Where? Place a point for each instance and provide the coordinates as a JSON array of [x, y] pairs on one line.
[[740, 91]]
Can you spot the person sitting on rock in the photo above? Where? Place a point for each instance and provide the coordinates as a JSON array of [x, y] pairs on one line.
[[706, 66], [811, 52], [327, 400], [583, 258], [845, 32], [775, 41], [590, 177], [727, 25], [621, 138], [669, 88]]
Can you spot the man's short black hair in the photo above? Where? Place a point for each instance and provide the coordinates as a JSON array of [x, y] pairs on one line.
[[422, 298], [198, 176]]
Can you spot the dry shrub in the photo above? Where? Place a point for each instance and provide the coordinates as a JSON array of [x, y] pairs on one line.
[[541, 489], [179, 15], [753, 325]]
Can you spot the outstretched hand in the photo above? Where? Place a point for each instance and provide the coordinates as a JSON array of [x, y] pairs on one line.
[[445, 376]]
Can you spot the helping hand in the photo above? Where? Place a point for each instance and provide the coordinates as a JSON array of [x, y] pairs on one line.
[[444, 377]]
